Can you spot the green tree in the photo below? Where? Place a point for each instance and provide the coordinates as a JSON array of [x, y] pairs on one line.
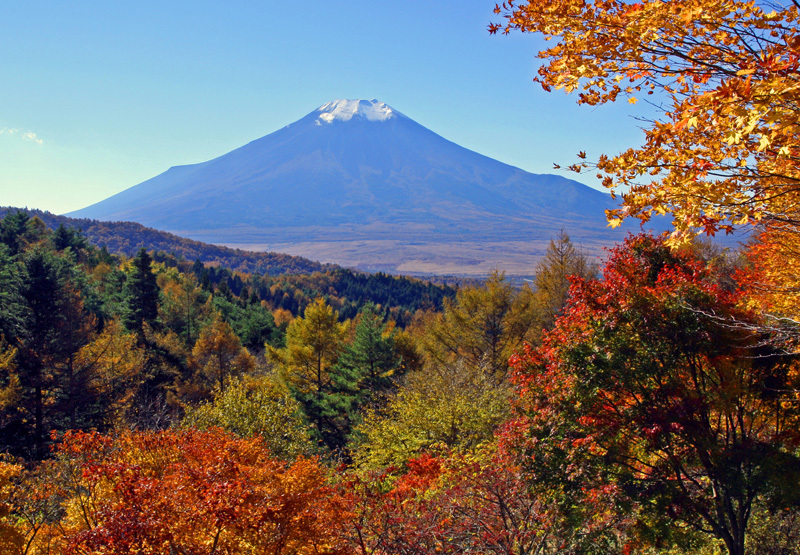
[[253, 323], [256, 327], [12, 304], [17, 230], [56, 327], [364, 373], [368, 366], [68, 237], [141, 295]]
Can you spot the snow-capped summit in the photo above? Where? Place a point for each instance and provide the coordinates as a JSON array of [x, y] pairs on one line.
[[345, 110], [357, 177]]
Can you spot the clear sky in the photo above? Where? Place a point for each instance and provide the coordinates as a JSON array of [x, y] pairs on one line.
[[98, 96]]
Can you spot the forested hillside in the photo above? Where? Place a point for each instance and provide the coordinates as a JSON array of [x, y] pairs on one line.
[[152, 401], [128, 237]]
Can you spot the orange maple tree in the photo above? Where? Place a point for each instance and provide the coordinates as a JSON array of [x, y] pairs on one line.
[[726, 150], [200, 492]]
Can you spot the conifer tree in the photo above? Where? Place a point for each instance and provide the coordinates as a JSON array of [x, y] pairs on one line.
[[561, 261], [219, 354], [56, 326], [364, 372], [483, 327], [141, 295], [15, 230], [367, 366], [67, 237], [313, 344], [11, 302]]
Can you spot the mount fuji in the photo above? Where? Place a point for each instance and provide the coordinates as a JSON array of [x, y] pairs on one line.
[[357, 183]]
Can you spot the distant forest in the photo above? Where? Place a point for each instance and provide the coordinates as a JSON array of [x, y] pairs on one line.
[[128, 237]]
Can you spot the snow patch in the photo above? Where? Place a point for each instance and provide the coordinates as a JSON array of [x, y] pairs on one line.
[[345, 110]]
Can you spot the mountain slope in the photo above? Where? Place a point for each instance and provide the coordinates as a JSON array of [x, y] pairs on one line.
[[357, 175], [128, 237]]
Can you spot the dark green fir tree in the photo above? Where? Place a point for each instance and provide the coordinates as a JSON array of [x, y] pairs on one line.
[[141, 295]]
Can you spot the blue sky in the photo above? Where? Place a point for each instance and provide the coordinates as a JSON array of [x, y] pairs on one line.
[[100, 96]]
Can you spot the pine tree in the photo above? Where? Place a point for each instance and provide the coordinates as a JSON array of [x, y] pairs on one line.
[[141, 295], [367, 367], [364, 373], [313, 344]]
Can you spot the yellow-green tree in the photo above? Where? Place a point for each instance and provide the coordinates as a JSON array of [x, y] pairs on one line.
[[106, 370], [552, 283], [183, 307], [251, 407], [482, 327], [440, 408], [313, 344]]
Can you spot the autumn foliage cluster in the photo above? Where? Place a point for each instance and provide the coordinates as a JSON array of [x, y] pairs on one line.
[[723, 75], [641, 410], [650, 405]]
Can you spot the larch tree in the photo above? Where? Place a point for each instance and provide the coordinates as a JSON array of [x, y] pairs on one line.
[[551, 282], [313, 345], [219, 355], [482, 327]]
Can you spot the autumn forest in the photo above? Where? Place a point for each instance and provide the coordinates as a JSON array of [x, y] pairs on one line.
[[155, 403]]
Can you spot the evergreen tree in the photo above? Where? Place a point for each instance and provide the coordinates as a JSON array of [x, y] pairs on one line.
[[141, 295], [56, 326], [11, 302], [16, 229], [67, 237], [367, 367], [257, 327], [364, 372], [223, 290]]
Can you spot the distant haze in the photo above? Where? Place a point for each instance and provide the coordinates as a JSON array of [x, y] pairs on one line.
[[357, 183]]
